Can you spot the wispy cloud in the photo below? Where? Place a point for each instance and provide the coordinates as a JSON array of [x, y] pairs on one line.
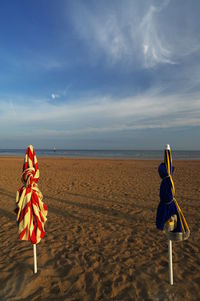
[[54, 96], [133, 36], [61, 94], [29, 60], [155, 49], [102, 115], [123, 33]]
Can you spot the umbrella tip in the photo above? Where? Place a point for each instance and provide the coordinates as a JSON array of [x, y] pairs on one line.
[[30, 146], [167, 147]]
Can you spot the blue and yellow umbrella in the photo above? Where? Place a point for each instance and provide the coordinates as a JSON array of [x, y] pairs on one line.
[[185, 232]]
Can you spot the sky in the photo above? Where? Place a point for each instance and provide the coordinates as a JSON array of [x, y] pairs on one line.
[[100, 74]]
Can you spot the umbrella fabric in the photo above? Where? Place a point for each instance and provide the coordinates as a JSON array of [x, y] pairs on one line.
[[168, 205], [168, 164], [30, 209]]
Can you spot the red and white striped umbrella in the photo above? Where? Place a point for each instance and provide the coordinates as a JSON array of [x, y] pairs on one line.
[[30, 209]]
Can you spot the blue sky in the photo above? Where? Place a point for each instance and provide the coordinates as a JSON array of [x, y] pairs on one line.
[[100, 74]]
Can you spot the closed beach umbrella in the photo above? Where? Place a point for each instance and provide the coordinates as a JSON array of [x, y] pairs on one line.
[[170, 217], [181, 230], [30, 209]]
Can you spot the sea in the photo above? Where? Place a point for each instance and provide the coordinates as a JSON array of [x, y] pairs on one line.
[[114, 154]]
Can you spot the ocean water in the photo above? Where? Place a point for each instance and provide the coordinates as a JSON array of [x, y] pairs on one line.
[[134, 154]]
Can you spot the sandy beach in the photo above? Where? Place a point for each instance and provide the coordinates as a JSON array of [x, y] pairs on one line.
[[101, 242]]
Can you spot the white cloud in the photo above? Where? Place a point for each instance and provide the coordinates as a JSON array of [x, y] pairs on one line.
[[155, 49], [102, 32], [54, 95], [135, 37], [99, 115], [121, 34]]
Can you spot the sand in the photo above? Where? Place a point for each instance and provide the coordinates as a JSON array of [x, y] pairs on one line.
[[101, 242]]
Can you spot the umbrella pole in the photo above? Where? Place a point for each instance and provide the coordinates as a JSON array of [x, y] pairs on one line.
[[35, 258], [170, 262]]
